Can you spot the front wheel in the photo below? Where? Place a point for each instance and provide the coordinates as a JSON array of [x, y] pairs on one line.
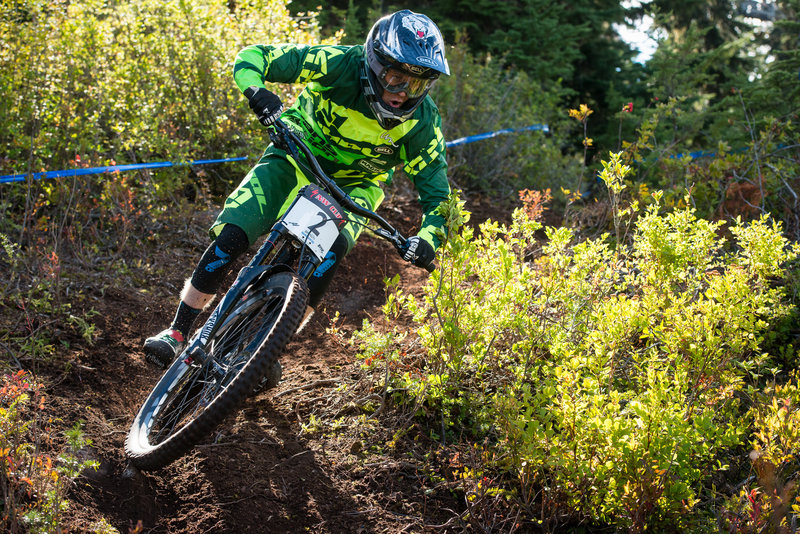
[[192, 398]]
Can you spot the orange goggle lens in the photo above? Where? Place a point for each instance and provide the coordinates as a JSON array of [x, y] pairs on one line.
[[397, 81]]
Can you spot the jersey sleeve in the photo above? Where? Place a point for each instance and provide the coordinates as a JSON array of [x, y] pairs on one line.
[[287, 63], [428, 172]]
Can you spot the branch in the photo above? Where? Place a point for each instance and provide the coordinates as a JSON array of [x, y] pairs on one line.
[[318, 383]]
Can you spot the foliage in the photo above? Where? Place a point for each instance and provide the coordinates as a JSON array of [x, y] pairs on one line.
[[777, 87], [709, 89], [759, 177], [94, 84], [133, 81], [483, 96], [587, 365], [713, 14], [34, 484], [769, 500]]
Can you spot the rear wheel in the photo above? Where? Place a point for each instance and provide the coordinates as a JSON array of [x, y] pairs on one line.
[[192, 398]]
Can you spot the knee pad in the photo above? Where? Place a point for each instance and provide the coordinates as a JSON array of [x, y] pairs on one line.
[[218, 258]]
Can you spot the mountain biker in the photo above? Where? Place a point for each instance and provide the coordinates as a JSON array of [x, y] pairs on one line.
[[364, 110]]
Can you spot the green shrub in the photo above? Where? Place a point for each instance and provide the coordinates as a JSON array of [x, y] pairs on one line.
[[130, 81], [93, 83], [769, 500], [750, 172], [609, 380]]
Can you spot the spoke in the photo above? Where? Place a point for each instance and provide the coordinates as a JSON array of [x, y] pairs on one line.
[[180, 407], [199, 387], [246, 339]]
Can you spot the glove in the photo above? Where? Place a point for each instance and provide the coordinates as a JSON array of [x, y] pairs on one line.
[[265, 104], [419, 252]]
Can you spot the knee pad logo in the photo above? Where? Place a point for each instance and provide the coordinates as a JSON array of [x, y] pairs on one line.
[[330, 260], [221, 262]]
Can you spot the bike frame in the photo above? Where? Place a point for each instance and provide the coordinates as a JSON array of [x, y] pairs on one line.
[[282, 250]]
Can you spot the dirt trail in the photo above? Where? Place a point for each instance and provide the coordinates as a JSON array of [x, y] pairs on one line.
[[258, 472]]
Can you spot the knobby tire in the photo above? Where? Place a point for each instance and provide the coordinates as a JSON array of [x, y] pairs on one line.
[[190, 399]]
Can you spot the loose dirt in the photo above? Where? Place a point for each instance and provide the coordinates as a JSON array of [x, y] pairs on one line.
[[264, 469]]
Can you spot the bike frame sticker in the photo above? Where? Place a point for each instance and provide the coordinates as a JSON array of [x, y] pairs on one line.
[[315, 218], [210, 322]]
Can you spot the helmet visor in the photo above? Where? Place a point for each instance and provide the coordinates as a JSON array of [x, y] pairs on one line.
[[396, 80]]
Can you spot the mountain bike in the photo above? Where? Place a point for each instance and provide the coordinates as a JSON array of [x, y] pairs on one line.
[[247, 331]]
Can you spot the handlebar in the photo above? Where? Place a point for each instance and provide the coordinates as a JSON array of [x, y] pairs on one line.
[[283, 137]]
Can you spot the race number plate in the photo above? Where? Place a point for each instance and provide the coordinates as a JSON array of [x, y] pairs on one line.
[[315, 218]]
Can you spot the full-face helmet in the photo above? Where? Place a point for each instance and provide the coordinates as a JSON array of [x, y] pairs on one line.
[[404, 53]]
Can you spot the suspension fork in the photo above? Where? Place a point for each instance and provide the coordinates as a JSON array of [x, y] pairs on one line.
[[291, 253], [262, 264]]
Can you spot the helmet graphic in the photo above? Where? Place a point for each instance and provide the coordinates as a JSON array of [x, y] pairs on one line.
[[404, 54]]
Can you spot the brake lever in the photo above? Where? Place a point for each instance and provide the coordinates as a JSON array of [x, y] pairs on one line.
[[277, 135]]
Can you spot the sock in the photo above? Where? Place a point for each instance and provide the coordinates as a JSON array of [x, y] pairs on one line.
[[184, 318]]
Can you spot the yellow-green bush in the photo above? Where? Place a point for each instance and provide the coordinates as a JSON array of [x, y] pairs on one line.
[[769, 499], [612, 382], [130, 80]]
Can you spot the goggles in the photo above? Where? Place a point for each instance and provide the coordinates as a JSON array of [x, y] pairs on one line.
[[396, 80]]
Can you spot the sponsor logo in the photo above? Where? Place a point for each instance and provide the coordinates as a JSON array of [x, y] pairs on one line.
[[386, 137], [426, 61], [336, 213], [221, 262], [208, 326], [330, 261], [411, 251], [297, 130], [416, 69], [320, 198], [371, 167], [384, 150]]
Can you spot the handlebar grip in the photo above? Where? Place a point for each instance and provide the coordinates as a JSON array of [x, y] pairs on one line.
[[431, 267]]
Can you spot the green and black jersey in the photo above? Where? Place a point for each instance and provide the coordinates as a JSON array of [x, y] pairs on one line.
[[336, 121]]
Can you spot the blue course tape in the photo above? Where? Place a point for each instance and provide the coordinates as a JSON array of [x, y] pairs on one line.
[[111, 168], [488, 135], [162, 164]]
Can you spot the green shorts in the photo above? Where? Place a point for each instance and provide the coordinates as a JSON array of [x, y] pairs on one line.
[[269, 189]]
